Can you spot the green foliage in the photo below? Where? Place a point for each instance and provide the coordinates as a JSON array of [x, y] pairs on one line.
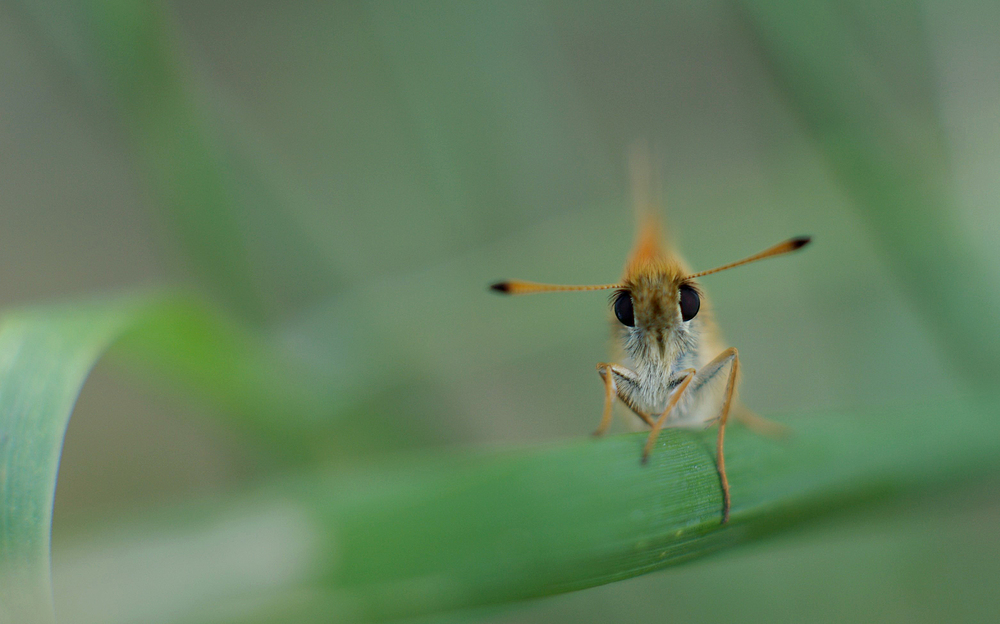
[[431, 533], [46, 358], [339, 335], [47, 354]]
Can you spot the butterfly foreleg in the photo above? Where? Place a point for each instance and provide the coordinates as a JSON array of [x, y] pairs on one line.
[[618, 382]]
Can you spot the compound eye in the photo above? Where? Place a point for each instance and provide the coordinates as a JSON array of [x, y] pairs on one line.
[[623, 308], [690, 302]]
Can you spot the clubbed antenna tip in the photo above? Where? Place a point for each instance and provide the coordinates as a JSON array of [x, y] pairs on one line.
[[787, 246], [800, 241], [521, 287]]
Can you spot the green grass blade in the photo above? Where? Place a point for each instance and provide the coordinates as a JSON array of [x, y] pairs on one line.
[[45, 355], [430, 534], [44, 359], [233, 226]]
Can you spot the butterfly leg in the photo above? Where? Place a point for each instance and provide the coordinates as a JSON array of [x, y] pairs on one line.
[[730, 357], [616, 380], [689, 374]]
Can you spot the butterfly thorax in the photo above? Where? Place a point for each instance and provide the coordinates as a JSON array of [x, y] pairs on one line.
[[661, 343]]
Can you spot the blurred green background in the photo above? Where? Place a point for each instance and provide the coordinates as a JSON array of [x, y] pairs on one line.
[[346, 178]]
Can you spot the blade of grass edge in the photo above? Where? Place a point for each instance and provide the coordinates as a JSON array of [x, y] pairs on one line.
[[46, 354], [44, 360]]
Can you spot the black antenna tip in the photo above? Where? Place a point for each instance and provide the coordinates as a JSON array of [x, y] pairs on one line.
[[503, 287], [800, 241]]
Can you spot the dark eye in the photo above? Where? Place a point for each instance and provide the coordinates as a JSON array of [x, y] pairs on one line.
[[690, 302], [623, 308]]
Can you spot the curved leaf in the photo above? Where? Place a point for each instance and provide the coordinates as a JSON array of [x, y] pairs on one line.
[[44, 358], [45, 355]]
